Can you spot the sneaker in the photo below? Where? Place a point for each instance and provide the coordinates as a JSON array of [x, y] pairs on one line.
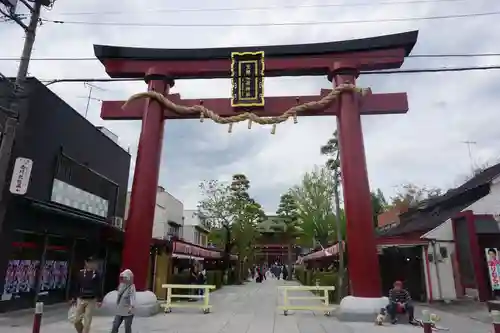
[[413, 322], [394, 321]]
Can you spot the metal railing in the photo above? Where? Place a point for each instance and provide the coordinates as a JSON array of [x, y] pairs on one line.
[[324, 306], [204, 306]]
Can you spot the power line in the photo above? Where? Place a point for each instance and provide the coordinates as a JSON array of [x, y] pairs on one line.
[[457, 55], [241, 9], [311, 23], [386, 72]]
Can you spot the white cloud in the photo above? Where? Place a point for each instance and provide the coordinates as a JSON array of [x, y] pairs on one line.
[[424, 146]]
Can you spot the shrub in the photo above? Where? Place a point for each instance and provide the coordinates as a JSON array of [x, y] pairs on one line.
[[180, 278], [325, 279], [215, 278], [308, 278]]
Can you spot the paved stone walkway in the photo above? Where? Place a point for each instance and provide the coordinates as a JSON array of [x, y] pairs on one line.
[[243, 309]]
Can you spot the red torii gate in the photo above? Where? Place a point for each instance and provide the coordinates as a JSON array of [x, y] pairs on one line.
[[341, 61]]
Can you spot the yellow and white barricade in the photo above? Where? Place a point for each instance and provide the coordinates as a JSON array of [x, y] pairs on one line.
[[325, 306], [205, 306]]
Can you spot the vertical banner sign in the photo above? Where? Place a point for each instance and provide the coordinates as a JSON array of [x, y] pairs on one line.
[[21, 176], [492, 259], [247, 79]]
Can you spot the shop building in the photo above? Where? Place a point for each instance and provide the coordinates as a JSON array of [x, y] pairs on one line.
[[169, 219], [439, 248], [443, 249], [72, 207]]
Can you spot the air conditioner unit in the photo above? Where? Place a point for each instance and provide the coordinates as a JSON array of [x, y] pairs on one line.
[[117, 222]]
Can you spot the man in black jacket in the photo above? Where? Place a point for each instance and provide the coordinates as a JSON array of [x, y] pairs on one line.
[[87, 295]]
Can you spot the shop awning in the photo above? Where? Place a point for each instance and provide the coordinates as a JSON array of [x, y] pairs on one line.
[[192, 250], [185, 256], [326, 252]]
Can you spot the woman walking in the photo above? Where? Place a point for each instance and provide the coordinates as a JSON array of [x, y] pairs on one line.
[[125, 302]]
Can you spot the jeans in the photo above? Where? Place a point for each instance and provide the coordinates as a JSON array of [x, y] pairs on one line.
[[118, 321], [392, 309]]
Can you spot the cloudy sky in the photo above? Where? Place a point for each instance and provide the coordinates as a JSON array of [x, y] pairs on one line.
[[424, 147]]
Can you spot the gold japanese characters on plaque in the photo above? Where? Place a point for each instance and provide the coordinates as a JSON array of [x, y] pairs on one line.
[[247, 79]]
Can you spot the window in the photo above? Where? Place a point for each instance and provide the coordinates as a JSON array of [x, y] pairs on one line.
[[197, 239], [203, 240], [23, 265], [82, 177], [173, 230]]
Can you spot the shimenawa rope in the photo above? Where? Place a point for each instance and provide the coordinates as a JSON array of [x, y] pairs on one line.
[[251, 117]]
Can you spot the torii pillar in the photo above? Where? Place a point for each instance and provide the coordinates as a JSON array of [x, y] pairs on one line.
[[363, 260], [341, 61]]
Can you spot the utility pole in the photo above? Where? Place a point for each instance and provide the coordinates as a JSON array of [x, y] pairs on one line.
[[334, 165], [340, 240], [13, 114]]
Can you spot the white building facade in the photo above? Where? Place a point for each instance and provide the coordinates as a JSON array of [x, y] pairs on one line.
[[194, 230], [168, 220]]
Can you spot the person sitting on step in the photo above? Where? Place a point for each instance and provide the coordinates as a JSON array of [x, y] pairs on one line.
[[400, 302]]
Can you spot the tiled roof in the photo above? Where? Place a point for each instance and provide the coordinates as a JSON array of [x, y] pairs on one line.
[[437, 210]]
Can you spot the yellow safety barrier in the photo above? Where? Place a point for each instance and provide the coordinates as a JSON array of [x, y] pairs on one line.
[[205, 306], [325, 306]]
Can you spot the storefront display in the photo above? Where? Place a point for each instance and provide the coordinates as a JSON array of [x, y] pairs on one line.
[[20, 277], [54, 275], [40, 266]]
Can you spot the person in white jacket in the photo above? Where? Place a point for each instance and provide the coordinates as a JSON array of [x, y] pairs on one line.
[[125, 302]]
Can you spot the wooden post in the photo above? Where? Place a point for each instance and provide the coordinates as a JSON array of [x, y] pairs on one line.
[[426, 321]]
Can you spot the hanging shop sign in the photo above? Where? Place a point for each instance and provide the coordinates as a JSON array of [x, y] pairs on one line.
[[247, 79], [21, 176]]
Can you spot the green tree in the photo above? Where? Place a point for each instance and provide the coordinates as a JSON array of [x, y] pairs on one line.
[[247, 214], [232, 216], [217, 209], [411, 195], [290, 229], [332, 150], [314, 200], [379, 205]]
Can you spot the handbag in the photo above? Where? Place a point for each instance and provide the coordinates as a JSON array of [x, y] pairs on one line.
[[72, 314]]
